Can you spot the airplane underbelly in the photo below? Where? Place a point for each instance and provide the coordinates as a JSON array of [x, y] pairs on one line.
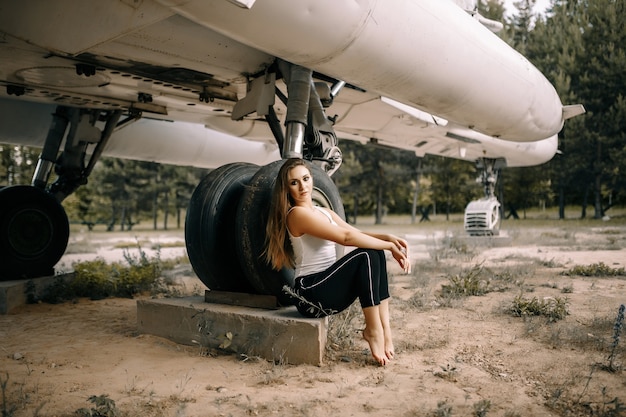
[[178, 143], [428, 53]]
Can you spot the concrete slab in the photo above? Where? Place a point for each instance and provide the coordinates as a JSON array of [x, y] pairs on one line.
[[16, 293], [280, 335]]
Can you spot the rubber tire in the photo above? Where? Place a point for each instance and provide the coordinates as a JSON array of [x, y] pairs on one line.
[[210, 234], [251, 220], [34, 232]]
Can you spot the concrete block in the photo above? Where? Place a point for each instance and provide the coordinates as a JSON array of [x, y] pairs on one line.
[[241, 299], [16, 293], [280, 335]]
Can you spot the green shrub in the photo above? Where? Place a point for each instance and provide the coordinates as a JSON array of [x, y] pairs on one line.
[[97, 279], [595, 270], [93, 279], [552, 308]]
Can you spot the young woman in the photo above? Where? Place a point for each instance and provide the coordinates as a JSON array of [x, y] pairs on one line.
[[303, 236]]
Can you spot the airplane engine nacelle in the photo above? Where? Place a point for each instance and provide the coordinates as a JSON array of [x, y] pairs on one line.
[[482, 217], [428, 54]]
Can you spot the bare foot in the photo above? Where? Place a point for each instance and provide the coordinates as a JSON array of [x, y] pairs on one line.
[[389, 349], [376, 341]]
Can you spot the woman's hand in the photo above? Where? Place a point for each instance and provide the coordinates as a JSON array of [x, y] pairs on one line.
[[400, 252], [400, 243]]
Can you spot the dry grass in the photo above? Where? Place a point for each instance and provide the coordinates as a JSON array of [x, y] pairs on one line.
[[457, 342]]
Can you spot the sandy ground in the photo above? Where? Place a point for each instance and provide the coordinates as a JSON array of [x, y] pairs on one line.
[[455, 357]]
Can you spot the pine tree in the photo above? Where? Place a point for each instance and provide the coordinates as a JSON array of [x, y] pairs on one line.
[[601, 85]]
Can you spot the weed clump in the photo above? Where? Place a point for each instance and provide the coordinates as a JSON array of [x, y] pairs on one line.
[[552, 308], [481, 408], [103, 407], [444, 409], [93, 279], [7, 409], [466, 284], [98, 280], [453, 247], [599, 269]]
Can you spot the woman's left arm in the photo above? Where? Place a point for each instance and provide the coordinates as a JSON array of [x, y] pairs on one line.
[[398, 242], [400, 251]]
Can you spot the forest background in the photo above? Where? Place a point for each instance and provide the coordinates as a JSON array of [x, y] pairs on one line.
[[579, 45]]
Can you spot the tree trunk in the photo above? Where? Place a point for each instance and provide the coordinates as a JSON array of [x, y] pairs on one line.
[[583, 213], [597, 200], [379, 204], [166, 202], [561, 203], [597, 203], [178, 210], [123, 218], [416, 191], [155, 199], [379, 193]]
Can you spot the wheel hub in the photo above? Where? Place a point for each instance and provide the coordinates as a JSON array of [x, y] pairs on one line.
[[29, 232]]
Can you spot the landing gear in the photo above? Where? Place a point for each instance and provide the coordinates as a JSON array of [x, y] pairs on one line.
[[225, 225], [482, 217], [34, 232], [34, 229]]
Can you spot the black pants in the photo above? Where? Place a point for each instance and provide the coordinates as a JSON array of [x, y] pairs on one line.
[[361, 273]]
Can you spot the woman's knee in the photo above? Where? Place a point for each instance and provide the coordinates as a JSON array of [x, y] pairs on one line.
[[377, 256], [374, 253]]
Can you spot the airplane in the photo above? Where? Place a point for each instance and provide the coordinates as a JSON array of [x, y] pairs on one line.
[[240, 85]]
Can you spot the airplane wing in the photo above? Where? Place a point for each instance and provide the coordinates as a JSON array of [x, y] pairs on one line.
[[192, 61], [213, 82]]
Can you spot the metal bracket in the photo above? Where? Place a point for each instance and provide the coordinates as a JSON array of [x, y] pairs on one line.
[[259, 99]]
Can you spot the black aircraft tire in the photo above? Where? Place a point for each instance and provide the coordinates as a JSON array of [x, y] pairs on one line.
[[251, 220], [34, 232], [210, 233]]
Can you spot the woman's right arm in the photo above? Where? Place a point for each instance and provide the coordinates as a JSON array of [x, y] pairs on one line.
[[303, 221], [399, 242]]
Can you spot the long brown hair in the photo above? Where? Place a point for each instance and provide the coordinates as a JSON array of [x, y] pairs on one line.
[[278, 251]]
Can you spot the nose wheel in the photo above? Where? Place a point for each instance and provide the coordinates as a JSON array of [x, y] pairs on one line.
[[34, 232]]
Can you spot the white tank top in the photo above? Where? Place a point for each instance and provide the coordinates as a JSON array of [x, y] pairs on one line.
[[313, 254]]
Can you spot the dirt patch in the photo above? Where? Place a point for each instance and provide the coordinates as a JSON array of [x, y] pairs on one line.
[[456, 355]]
